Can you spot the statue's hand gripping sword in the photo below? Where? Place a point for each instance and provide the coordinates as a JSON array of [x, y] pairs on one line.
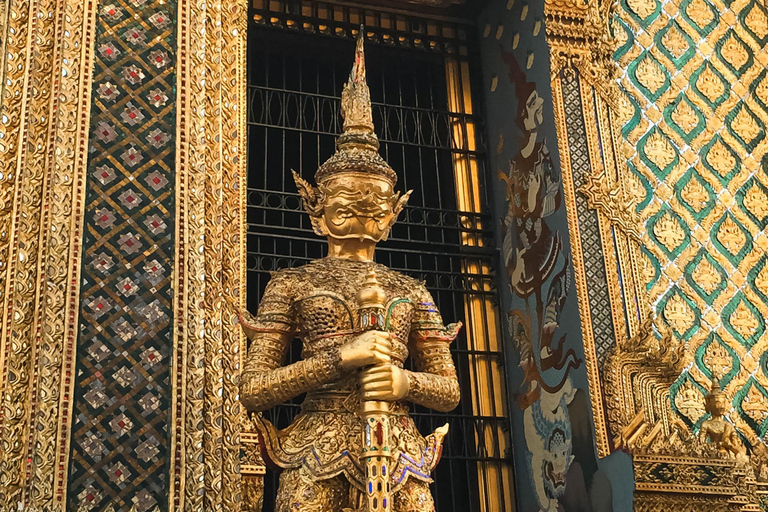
[[377, 449]]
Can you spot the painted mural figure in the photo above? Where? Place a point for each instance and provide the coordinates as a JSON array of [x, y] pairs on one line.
[[352, 356], [533, 194], [539, 275]]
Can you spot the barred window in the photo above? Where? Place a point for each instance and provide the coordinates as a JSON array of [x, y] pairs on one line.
[[427, 116]]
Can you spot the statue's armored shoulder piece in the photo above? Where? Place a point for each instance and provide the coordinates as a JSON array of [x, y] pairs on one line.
[[276, 307]]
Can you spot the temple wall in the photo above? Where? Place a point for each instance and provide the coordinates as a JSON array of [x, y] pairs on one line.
[[552, 412], [121, 188], [632, 240], [694, 118]]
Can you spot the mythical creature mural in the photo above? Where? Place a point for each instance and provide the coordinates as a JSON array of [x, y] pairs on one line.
[[560, 461]]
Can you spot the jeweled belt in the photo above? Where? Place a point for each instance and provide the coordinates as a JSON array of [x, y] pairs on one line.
[[341, 401]]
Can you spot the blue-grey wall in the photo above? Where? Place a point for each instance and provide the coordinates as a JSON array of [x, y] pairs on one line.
[[556, 465]]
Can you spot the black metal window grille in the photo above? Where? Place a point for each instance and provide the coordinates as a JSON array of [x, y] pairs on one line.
[[296, 69]]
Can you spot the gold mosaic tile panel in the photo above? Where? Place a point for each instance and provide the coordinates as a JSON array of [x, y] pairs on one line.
[[695, 74]]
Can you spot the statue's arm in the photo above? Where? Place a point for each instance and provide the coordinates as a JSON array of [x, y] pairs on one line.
[[265, 381], [434, 383]]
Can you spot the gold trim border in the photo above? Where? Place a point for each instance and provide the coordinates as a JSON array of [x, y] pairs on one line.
[[210, 255], [580, 44], [580, 277], [42, 160]]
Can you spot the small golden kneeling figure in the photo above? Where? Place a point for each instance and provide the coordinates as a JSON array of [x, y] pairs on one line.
[[353, 446]]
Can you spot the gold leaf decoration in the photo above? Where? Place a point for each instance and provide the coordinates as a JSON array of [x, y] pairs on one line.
[[710, 85], [643, 8], [706, 276], [679, 314], [659, 150], [634, 188], [690, 402], [757, 22], [674, 41], [700, 13], [761, 91], [754, 405], [650, 75], [761, 281], [717, 359], [745, 126], [647, 269], [620, 35], [669, 232], [720, 158], [731, 236], [695, 195], [624, 110], [756, 201], [734, 51], [743, 321], [685, 116]]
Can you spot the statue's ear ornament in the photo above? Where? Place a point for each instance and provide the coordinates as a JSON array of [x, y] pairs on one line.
[[310, 196], [401, 202]]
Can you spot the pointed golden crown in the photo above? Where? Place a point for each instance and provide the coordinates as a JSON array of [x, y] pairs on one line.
[[357, 148]]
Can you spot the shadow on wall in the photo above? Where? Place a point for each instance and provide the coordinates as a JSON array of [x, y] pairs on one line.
[[588, 488]]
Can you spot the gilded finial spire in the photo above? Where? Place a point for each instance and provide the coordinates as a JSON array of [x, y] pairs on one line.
[[357, 148], [356, 98]]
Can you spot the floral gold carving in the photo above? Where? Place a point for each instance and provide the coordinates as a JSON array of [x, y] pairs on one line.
[[689, 400], [678, 313], [757, 22], [745, 126], [710, 85], [646, 267], [659, 150], [755, 406], [650, 75], [695, 195], [717, 359], [674, 41], [761, 91], [707, 277], [731, 236], [734, 51], [685, 116], [756, 201], [635, 190], [761, 281], [643, 8], [743, 320], [669, 232], [720, 158], [699, 12]]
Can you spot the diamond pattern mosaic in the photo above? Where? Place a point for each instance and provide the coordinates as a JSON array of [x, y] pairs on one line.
[[694, 124], [122, 409]]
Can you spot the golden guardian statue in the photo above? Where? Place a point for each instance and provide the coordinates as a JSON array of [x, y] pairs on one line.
[[353, 446]]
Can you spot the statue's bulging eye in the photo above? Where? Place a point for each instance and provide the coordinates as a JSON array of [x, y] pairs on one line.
[[344, 213]]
